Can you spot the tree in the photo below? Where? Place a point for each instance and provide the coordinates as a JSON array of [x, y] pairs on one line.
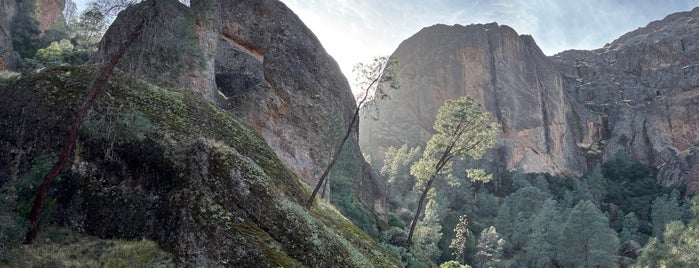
[[453, 264], [370, 76], [396, 172], [587, 240], [458, 243], [664, 210], [679, 246], [464, 129], [96, 88], [629, 228], [542, 244], [429, 232], [490, 247]]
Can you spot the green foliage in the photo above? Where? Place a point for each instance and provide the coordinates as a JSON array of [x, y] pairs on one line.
[[394, 241], [25, 29], [543, 242], [490, 247], [16, 201], [665, 209], [429, 231], [678, 248], [396, 173], [464, 129], [589, 242], [453, 264], [629, 229]]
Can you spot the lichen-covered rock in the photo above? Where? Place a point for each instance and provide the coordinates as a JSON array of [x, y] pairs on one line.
[[166, 165], [260, 62]]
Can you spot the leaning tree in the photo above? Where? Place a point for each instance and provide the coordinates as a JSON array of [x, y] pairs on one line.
[[464, 130]]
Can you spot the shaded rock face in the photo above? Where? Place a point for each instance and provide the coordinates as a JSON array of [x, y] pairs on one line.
[[257, 60], [505, 72], [9, 59], [562, 114], [192, 177]]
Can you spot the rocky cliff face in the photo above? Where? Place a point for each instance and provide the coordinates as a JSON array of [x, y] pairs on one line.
[[257, 60], [561, 114], [9, 60], [505, 72]]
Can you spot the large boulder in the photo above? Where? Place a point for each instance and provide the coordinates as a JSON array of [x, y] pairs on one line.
[[257, 60], [166, 165]]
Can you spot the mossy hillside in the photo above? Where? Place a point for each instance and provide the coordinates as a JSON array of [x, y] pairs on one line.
[[222, 190]]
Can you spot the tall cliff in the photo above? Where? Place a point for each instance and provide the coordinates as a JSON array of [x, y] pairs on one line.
[[257, 60], [505, 72], [561, 114], [32, 20], [9, 60]]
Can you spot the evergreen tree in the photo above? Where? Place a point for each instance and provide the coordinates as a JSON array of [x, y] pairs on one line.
[[429, 231], [504, 221], [490, 247], [629, 228], [587, 240], [542, 244], [664, 210], [680, 248], [596, 185], [396, 172], [464, 129]]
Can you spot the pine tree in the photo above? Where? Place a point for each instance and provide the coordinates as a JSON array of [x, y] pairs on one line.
[[542, 244], [429, 231], [490, 247], [587, 240], [464, 129], [629, 228], [664, 210]]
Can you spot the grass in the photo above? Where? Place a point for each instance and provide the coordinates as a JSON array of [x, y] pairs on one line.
[[59, 247]]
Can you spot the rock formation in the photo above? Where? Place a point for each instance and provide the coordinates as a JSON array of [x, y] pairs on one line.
[[165, 165], [561, 114], [46, 14], [9, 60], [505, 72], [260, 62]]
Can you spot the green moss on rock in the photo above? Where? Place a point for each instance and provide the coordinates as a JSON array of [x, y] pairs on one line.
[[189, 176]]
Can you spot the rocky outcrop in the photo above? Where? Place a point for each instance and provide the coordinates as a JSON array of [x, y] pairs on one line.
[[507, 73], [164, 164], [9, 59], [562, 114], [257, 60]]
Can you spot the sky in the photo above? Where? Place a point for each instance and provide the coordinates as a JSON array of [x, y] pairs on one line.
[[356, 30], [353, 31]]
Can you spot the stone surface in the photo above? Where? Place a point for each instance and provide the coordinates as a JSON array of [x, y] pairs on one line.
[[562, 114], [505, 72], [260, 62], [166, 165], [9, 59]]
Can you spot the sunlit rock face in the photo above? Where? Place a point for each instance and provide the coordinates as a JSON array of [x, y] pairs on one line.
[[257, 60], [507, 73], [562, 114]]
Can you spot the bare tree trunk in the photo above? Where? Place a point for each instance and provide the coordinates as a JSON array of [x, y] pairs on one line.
[[324, 176], [420, 206], [97, 87]]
